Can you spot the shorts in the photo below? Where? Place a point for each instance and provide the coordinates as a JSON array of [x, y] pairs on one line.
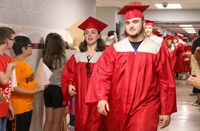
[[53, 96]]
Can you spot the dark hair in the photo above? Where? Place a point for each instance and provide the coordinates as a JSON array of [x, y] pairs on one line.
[[198, 32], [67, 45], [110, 33], [47, 41], [101, 46], [19, 43], [55, 51], [5, 33]]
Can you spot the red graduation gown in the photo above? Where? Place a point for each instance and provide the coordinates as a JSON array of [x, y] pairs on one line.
[[75, 73], [180, 63], [137, 85]]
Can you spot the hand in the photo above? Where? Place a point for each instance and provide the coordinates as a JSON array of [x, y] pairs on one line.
[[12, 64], [11, 114], [39, 89], [164, 120], [103, 107], [195, 81], [71, 90]]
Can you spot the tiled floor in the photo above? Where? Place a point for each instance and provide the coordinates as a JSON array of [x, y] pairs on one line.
[[188, 117]]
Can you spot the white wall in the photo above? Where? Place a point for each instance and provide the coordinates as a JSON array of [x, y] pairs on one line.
[[52, 14], [173, 15], [37, 18], [106, 15]]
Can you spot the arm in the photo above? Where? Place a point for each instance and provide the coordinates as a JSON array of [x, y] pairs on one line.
[[4, 77], [68, 80], [167, 88], [100, 81], [11, 113], [195, 81], [28, 92], [197, 55]]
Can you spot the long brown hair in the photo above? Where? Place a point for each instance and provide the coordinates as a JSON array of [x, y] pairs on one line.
[[54, 51]]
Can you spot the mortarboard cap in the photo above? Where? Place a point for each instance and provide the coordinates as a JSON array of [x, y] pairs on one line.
[[149, 23], [180, 36], [133, 10], [175, 37], [169, 37], [91, 22]]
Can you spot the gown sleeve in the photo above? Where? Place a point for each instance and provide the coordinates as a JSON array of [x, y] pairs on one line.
[[166, 84], [99, 86], [68, 77]]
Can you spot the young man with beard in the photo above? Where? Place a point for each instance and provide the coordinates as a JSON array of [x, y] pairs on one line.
[[132, 83]]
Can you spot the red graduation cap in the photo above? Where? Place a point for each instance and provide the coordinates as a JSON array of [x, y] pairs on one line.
[[180, 36], [149, 23], [175, 37], [91, 22], [169, 37], [133, 10]]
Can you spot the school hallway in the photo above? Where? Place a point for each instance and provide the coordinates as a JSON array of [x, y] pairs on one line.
[[187, 117]]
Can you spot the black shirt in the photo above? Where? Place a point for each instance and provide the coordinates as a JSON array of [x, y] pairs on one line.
[[135, 45]]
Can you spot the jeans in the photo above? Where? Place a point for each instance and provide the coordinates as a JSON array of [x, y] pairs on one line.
[[3, 121]]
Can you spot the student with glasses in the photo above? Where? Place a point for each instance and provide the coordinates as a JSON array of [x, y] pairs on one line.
[[23, 95], [6, 66], [78, 69]]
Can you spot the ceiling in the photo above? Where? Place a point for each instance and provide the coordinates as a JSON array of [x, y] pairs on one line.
[[173, 27]]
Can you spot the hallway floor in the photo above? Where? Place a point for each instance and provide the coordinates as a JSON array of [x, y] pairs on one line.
[[187, 117]]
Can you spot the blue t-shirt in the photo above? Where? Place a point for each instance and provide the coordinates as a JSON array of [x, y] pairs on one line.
[[135, 45]]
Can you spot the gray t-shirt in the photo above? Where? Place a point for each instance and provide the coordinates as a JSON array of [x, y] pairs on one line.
[[55, 78]]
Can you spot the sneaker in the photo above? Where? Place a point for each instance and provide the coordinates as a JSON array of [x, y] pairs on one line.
[[195, 103]]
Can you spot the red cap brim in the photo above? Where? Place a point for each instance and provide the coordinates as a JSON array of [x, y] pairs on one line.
[[133, 11]]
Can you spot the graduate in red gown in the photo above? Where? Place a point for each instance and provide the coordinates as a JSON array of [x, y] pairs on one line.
[[180, 51], [78, 69], [172, 51], [149, 31], [132, 83]]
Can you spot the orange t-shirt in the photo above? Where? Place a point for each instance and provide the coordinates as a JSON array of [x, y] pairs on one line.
[[25, 79]]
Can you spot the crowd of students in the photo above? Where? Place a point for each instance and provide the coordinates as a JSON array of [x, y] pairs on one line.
[[126, 85]]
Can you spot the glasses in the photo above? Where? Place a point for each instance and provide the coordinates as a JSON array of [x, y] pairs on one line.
[[29, 46], [89, 71]]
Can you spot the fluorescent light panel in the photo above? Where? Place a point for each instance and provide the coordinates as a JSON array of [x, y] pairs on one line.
[[185, 25], [191, 31], [169, 6], [188, 28]]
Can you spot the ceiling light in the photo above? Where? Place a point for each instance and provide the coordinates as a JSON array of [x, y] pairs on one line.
[[169, 6], [189, 28], [185, 25], [191, 32]]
